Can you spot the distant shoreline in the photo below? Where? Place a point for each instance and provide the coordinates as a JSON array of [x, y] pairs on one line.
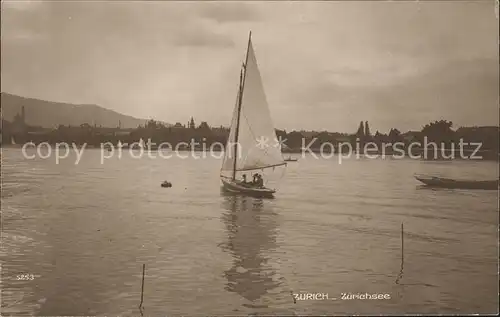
[[443, 154]]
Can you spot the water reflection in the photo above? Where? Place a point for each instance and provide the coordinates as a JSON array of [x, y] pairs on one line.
[[251, 230]]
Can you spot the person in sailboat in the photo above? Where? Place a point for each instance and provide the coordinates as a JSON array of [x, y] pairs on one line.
[[245, 179], [255, 178], [260, 181]]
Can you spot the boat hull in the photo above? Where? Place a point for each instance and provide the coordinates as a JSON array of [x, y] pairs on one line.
[[236, 188], [458, 184]]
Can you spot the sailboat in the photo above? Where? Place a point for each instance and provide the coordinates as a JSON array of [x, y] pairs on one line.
[[252, 145], [12, 141]]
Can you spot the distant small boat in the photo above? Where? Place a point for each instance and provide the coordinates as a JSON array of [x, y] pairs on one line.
[[289, 159], [434, 181], [12, 141]]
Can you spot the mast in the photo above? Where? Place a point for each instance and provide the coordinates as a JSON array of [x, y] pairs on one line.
[[242, 86]]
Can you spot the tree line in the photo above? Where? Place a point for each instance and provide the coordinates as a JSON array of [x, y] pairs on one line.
[[439, 131]]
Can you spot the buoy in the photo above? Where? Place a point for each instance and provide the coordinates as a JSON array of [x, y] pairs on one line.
[[166, 184]]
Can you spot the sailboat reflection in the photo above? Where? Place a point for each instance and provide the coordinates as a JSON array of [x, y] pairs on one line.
[[251, 230]]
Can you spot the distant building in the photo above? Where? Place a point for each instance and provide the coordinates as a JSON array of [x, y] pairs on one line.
[[204, 126], [486, 129], [361, 130], [122, 133], [220, 131], [178, 125], [34, 133], [411, 136], [367, 129], [19, 125], [191, 124], [308, 134], [343, 139], [107, 131]]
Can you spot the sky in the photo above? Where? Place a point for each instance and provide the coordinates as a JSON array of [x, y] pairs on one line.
[[324, 65]]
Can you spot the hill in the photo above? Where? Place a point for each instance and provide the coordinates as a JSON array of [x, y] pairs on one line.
[[49, 114]]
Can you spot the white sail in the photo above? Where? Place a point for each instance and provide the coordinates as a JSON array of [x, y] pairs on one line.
[[119, 145], [257, 141], [12, 141]]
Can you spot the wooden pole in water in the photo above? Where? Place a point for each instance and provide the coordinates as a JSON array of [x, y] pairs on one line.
[[142, 288], [400, 275], [402, 244]]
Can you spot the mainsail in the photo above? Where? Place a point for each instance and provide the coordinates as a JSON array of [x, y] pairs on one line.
[[252, 128]]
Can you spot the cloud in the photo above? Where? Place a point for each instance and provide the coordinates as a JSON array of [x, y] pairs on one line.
[[202, 36], [24, 36], [24, 5], [229, 12], [21, 22]]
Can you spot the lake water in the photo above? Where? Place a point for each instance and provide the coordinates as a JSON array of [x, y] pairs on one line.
[[84, 231]]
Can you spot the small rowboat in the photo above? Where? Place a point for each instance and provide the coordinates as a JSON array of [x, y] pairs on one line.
[[434, 181]]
